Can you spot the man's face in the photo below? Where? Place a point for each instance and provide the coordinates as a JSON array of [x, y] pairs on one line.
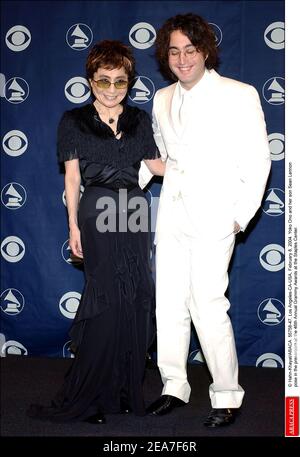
[[184, 60]]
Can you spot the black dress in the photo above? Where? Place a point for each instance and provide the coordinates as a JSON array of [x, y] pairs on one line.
[[114, 324]]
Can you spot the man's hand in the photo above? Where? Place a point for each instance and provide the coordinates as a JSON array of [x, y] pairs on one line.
[[237, 228]]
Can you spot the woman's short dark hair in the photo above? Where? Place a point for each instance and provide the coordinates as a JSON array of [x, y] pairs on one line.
[[110, 54], [199, 33]]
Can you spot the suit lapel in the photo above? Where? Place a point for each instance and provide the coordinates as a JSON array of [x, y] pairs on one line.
[[173, 110]]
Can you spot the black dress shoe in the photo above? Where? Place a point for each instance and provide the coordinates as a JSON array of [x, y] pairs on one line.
[[164, 405], [219, 417], [98, 418]]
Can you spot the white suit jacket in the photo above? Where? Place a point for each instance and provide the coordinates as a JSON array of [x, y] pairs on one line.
[[219, 162]]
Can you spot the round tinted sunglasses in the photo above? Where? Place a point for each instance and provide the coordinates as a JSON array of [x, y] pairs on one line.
[[105, 83]]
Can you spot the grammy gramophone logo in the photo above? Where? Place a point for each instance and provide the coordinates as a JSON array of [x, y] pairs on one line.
[[79, 36], [142, 91], [16, 90], [274, 202], [274, 91], [12, 302], [271, 311], [13, 195]]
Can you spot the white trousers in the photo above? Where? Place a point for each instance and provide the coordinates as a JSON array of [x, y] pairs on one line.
[[191, 280]]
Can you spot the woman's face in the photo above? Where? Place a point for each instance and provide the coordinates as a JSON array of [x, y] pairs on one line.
[[109, 96]]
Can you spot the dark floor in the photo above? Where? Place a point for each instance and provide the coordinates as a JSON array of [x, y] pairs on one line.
[[28, 380]]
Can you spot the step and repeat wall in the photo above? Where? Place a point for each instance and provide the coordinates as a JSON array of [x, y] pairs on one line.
[[44, 46]]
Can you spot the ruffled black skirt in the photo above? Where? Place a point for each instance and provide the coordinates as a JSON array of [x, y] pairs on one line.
[[114, 324]]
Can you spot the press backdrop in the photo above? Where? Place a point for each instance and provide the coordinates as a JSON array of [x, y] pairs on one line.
[[44, 46]]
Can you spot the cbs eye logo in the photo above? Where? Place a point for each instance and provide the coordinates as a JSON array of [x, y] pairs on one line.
[[276, 145], [63, 197], [15, 143], [269, 360], [218, 33], [77, 90], [13, 347], [142, 35], [18, 38], [67, 255], [67, 353], [69, 303], [12, 249], [275, 40], [271, 257]]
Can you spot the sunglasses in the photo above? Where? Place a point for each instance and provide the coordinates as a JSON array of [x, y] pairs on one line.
[[105, 83]]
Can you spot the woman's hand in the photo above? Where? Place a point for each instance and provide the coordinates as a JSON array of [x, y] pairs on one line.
[[75, 242]]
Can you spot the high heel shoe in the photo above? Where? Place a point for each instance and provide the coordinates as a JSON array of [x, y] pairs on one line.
[[98, 418]]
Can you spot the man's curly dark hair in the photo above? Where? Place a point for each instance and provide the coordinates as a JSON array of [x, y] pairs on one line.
[[199, 32]]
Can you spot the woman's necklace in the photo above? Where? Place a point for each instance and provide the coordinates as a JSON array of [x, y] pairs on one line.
[[111, 119]]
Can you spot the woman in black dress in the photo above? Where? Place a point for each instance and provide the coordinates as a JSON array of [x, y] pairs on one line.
[[103, 144]]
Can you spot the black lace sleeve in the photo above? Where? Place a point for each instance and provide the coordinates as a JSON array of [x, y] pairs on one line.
[[67, 138], [149, 148]]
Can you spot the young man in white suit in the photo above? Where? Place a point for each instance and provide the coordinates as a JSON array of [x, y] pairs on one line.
[[211, 132]]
